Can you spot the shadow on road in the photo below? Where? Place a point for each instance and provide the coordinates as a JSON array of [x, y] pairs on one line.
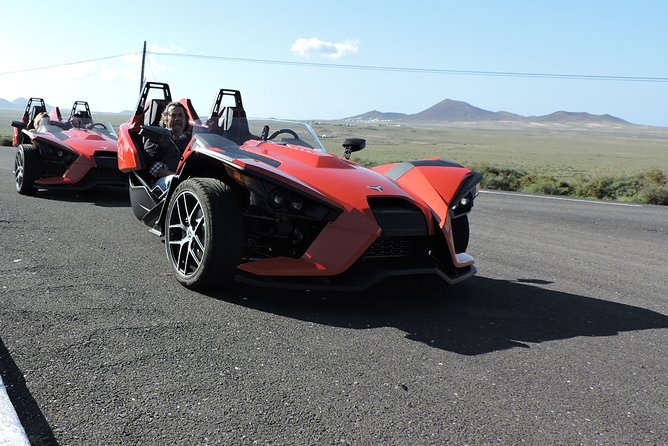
[[479, 316], [113, 197], [35, 425]]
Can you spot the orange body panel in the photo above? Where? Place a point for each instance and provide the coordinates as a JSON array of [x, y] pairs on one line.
[[128, 156]]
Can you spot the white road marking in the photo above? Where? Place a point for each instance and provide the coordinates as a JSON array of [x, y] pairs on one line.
[[11, 431], [551, 197]]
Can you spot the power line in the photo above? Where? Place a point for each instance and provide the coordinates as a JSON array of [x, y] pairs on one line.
[[47, 67], [366, 68], [420, 70]]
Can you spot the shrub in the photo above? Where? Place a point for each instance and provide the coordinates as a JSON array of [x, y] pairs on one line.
[[501, 178], [654, 195], [656, 176], [648, 187], [546, 185]]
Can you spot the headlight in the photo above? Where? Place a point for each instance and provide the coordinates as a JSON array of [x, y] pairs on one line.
[[464, 204], [297, 204], [57, 153], [283, 200], [278, 199]]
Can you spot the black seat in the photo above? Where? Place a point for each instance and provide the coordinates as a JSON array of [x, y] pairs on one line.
[[233, 125], [154, 113], [86, 118], [36, 110]]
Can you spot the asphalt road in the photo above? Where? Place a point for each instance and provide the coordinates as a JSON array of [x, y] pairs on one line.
[[561, 338]]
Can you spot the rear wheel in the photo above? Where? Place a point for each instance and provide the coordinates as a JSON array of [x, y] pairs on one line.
[[26, 168], [460, 233], [204, 234]]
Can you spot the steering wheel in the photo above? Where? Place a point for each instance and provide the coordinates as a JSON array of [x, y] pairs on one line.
[[288, 131], [99, 125]]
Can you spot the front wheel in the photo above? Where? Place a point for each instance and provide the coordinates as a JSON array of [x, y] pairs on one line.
[[26, 168], [204, 234]]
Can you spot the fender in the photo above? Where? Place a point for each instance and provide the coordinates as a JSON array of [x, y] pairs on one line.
[[437, 182], [129, 156]]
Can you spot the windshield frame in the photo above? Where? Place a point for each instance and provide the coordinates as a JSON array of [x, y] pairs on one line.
[[256, 125], [58, 129]]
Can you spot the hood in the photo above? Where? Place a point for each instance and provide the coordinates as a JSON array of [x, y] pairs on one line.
[[83, 142]]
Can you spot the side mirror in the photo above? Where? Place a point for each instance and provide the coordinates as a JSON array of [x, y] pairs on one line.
[[154, 133], [19, 124], [353, 145]]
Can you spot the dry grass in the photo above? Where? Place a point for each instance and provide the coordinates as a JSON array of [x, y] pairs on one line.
[[559, 151]]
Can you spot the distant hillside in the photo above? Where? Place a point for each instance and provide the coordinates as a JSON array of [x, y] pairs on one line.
[[20, 104], [447, 110], [16, 104], [375, 115], [565, 117], [450, 110]]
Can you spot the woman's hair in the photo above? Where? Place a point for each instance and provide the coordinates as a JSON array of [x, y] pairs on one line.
[[38, 119], [163, 118]]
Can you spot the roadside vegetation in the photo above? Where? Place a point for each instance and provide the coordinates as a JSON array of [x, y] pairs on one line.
[[649, 187]]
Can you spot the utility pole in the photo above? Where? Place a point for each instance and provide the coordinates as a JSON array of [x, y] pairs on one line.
[[143, 62]]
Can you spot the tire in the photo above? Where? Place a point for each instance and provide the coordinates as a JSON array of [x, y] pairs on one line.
[[460, 233], [26, 168], [204, 234]]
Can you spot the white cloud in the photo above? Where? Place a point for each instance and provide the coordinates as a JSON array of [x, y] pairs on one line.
[[314, 46]]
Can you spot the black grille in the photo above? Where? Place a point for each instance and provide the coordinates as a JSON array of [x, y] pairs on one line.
[[106, 160], [107, 173], [386, 247]]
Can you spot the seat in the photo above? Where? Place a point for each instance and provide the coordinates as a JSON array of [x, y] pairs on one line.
[[55, 114], [36, 110], [86, 118], [154, 112], [233, 125], [187, 103]]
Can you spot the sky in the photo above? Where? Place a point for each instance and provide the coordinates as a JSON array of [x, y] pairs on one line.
[[334, 59]]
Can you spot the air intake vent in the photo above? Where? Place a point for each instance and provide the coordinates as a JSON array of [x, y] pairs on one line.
[[108, 160], [398, 217]]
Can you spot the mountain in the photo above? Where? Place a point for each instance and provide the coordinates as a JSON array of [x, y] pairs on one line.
[[450, 110], [375, 115], [447, 110], [453, 111], [16, 104], [571, 117]]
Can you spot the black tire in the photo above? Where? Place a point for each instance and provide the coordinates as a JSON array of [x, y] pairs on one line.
[[460, 233], [204, 234], [26, 168]]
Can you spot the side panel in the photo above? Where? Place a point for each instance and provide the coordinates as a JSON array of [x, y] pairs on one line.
[[129, 156], [19, 138]]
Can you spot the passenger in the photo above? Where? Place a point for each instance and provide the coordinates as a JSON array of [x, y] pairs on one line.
[[164, 157], [38, 119], [76, 120]]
